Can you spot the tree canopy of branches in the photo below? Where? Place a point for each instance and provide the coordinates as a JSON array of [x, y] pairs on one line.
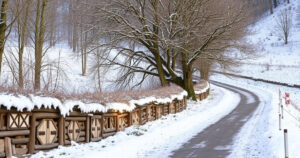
[[165, 38]]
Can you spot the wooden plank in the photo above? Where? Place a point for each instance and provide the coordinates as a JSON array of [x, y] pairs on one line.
[[117, 123], [13, 147], [14, 133], [97, 116], [3, 128], [1, 145], [76, 113], [123, 115], [140, 116], [46, 146], [102, 126], [76, 118], [81, 139], [31, 143], [47, 110], [61, 128], [108, 130], [130, 119], [46, 115], [1, 120], [87, 129], [175, 106], [21, 151], [110, 114], [108, 134], [2, 154], [82, 134], [19, 140], [95, 139], [7, 147]]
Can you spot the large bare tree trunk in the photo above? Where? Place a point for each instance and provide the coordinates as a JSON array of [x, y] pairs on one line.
[[22, 44], [187, 71], [39, 37], [3, 29], [160, 69]]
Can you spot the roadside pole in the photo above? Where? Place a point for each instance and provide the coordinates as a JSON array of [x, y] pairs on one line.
[[280, 101], [279, 122], [286, 153]]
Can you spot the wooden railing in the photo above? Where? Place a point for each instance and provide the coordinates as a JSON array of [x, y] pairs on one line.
[[43, 129]]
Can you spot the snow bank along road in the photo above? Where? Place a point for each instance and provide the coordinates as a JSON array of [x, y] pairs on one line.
[[216, 140]]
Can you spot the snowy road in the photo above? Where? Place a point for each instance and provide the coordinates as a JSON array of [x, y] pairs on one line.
[[216, 140]]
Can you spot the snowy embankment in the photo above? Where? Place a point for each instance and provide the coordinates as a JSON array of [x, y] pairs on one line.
[[260, 136], [275, 61], [160, 137]]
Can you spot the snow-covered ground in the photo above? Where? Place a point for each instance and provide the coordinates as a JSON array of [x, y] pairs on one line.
[[274, 60], [157, 138], [260, 137]]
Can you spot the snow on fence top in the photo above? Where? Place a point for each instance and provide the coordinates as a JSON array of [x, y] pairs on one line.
[[202, 87], [98, 102]]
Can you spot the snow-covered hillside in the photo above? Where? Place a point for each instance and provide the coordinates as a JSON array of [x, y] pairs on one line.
[[275, 61]]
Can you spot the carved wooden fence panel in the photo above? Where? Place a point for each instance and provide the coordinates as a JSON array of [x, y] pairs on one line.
[[44, 129]]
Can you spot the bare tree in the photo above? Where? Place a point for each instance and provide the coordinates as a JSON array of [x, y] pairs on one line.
[[168, 37], [22, 23], [3, 27], [6, 24], [96, 68], [39, 41], [284, 24]]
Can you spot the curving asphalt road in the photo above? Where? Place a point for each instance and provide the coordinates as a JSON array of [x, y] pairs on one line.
[[216, 140]]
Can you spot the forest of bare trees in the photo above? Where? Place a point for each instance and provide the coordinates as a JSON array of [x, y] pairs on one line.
[[164, 39]]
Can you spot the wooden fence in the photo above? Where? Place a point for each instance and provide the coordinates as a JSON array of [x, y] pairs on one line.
[[43, 129]]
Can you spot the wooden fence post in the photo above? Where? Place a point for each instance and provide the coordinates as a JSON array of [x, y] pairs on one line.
[[7, 146], [87, 130], [117, 122], [130, 119], [32, 134], [140, 116], [102, 126], [61, 128]]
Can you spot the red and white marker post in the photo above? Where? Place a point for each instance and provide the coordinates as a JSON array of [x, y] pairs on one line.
[[287, 99]]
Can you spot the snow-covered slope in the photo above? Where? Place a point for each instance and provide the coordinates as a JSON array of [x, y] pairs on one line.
[[275, 61]]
